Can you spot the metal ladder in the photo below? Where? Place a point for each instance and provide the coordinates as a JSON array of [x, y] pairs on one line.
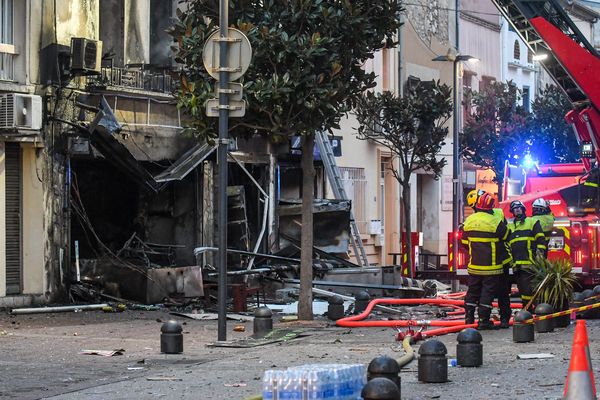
[[333, 174]]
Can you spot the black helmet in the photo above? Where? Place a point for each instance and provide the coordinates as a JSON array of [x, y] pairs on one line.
[[517, 204]]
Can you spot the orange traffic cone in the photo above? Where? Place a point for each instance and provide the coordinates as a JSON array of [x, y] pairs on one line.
[[580, 384]]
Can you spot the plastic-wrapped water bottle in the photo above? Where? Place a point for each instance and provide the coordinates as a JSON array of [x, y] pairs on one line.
[[268, 384]]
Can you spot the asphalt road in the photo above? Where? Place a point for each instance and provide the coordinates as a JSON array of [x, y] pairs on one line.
[[40, 358]]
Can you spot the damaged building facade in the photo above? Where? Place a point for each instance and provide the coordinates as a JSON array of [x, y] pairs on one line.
[[100, 183]]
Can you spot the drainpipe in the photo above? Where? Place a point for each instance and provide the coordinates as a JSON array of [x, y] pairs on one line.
[[401, 54]]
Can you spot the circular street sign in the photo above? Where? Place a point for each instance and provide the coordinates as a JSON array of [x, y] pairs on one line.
[[239, 54]]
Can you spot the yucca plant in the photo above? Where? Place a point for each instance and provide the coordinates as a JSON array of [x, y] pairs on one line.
[[558, 281]]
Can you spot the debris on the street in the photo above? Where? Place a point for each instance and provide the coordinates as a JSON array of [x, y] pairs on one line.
[[276, 335], [135, 368], [105, 353], [239, 328], [163, 378], [41, 310], [235, 385], [534, 356], [214, 316]]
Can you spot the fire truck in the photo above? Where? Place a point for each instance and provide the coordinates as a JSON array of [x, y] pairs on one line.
[[574, 65]]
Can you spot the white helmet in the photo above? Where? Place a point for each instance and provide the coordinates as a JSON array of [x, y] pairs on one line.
[[540, 206]]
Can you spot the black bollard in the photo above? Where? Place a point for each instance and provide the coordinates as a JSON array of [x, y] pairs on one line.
[[587, 314], [171, 338], [263, 322], [380, 389], [469, 350], [577, 302], [361, 301], [384, 367], [433, 365], [523, 333], [546, 325], [335, 310], [594, 313]]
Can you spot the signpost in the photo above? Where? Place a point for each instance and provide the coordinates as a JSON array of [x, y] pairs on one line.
[[226, 56]]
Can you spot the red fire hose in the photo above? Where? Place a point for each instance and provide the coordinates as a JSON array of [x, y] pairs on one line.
[[443, 326]]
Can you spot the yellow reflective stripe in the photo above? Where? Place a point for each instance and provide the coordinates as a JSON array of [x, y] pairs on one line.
[[493, 246], [475, 271], [521, 239], [483, 240], [567, 249], [541, 234], [465, 242], [567, 232], [586, 183], [523, 262], [541, 246], [524, 297]]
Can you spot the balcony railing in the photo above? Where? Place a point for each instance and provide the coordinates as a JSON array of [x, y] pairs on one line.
[[133, 78]]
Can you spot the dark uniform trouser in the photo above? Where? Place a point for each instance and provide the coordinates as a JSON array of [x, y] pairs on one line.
[[504, 289], [481, 292], [524, 285]]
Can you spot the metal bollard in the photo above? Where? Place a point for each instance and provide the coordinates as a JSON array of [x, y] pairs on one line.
[[523, 333], [594, 313], [361, 301], [469, 350], [384, 367], [588, 313], [263, 322], [546, 325], [335, 310], [171, 338], [380, 389], [577, 302], [433, 365]]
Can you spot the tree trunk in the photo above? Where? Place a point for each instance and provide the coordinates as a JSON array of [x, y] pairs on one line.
[[407, 226], [305, 311]]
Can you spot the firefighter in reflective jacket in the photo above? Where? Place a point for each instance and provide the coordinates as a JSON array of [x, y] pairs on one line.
[[484, 235], [543, 214], [591, 188], [505, 284], [526, 240]]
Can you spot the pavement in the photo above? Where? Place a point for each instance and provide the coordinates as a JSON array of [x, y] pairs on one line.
[[40, 359]]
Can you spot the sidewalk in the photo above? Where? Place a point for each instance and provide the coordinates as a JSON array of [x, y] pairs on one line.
[[40, 358]]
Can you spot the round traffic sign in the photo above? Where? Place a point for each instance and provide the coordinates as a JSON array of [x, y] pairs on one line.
[[239, 54]]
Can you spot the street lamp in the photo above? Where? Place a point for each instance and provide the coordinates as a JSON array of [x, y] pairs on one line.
[[456, 182]]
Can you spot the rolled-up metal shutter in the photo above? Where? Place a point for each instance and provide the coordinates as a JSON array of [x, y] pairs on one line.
[[13, 218]]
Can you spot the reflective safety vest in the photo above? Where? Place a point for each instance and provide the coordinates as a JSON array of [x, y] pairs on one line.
[[504, 254], [546, 222], [484, 235], [525, 238]]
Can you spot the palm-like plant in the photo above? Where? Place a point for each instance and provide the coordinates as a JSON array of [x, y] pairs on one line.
[[555, 281]]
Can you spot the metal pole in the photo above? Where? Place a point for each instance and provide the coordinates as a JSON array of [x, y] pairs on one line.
[[455, 168], [222, 165]]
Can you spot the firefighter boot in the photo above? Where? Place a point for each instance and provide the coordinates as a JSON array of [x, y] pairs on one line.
[[484, 318], [504, 322], [469, 314]]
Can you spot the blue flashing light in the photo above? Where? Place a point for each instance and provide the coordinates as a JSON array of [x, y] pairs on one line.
[[528, 161]]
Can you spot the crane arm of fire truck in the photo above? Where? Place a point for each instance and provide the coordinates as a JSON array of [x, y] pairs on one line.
[[571, 61]]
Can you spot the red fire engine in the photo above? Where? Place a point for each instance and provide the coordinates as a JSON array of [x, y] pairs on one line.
[[574, 64]]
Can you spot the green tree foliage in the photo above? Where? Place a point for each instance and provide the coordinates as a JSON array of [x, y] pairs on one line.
[[412, 128], [306, 73], [551, 139], [493, 128]]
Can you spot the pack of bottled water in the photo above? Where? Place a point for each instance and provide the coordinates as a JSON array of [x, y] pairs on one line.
[[315, 382]]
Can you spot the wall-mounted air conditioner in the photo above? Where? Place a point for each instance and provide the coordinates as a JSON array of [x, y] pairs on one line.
[[86, 56], [20, 111]]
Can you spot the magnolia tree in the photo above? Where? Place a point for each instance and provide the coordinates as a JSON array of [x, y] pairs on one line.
[[412, 128], [551, 139], [306, 74], [494, 127]]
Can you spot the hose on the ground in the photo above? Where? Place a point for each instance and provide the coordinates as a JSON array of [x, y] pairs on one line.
[[409, 352]]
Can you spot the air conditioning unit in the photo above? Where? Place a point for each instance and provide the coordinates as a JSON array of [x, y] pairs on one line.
[[20, 111], [86, 56]]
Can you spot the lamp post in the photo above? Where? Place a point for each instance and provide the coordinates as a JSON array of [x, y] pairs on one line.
[[456, 180]]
